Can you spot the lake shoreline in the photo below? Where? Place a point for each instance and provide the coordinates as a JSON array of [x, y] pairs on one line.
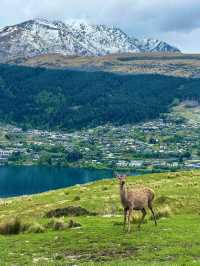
[[96, 167], [16, 180]]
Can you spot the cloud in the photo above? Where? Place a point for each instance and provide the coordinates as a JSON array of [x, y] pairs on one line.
[[172, 19]]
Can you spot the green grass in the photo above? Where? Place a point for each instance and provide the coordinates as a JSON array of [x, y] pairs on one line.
[[100, 239]]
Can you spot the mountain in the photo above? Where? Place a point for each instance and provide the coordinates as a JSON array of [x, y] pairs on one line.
[[39, 36], [153, 45]]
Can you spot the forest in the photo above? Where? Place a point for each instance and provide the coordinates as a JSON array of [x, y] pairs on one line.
[[69, 100]]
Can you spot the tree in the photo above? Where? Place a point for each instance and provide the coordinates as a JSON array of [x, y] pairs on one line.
[[45, 159], [73, 156]]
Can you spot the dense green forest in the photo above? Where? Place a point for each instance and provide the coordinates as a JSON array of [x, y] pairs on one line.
[[46, 98]]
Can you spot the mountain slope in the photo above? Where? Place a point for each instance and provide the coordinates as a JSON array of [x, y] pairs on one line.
[[170, 64], [46, 98], [39, 36]]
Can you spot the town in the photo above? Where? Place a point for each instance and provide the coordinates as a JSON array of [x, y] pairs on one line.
[[169, 143]]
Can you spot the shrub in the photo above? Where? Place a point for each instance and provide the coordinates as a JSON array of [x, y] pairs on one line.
[[72, 224], [137, 218], [57, 224], [60, 224], [36, 228], [172, 176], [163, 212], [179, 184], [11, 226], [76, 198]]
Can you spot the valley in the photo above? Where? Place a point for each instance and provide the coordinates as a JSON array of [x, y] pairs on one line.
[[99, 133], [67, 118]]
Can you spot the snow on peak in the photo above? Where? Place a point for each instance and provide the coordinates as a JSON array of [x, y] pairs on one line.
[[75, 37], [154, 45]]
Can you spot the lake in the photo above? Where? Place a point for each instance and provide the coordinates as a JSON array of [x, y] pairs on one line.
[[26, 180]]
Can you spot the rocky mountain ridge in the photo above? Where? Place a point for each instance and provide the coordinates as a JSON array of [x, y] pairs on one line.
[[40, 36]]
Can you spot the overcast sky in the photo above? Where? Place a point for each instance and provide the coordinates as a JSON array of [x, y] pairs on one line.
[[175, 21]]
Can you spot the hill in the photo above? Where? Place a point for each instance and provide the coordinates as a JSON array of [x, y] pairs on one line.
[[98, 238], [44, 98], [170, 64]]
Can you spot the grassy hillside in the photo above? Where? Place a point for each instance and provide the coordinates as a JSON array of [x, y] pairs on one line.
[[174, 64], [98, 238]]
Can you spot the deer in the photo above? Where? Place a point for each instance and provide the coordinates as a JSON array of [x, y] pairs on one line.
[[138, 199]]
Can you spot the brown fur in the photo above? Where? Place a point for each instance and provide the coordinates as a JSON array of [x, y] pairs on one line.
[[135, 199]]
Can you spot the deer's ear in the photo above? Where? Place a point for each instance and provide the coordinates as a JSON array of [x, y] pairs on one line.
[[124, 176]]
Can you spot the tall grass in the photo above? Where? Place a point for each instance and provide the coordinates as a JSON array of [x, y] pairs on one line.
[[12, 225]]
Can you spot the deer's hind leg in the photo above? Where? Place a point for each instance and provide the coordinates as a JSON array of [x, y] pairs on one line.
[[143, 216], [152, 211]]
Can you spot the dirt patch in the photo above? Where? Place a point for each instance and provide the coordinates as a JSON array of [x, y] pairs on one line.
[[69, 211], [105, 255]]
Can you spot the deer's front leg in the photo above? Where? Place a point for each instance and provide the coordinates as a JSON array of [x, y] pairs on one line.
[[129, 220], [125, 216]]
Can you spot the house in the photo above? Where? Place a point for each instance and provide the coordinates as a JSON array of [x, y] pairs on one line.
[[5, 154]]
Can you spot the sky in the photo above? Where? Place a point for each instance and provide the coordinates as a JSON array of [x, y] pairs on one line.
[[174, 21]]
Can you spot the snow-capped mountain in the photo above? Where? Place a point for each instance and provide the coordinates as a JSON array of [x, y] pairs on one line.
[[40, 36], [153, 45]]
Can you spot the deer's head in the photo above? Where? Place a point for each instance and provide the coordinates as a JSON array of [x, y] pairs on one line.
[[122, 179]]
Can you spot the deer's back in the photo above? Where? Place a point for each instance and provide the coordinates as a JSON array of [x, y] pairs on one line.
[[140, 198]]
